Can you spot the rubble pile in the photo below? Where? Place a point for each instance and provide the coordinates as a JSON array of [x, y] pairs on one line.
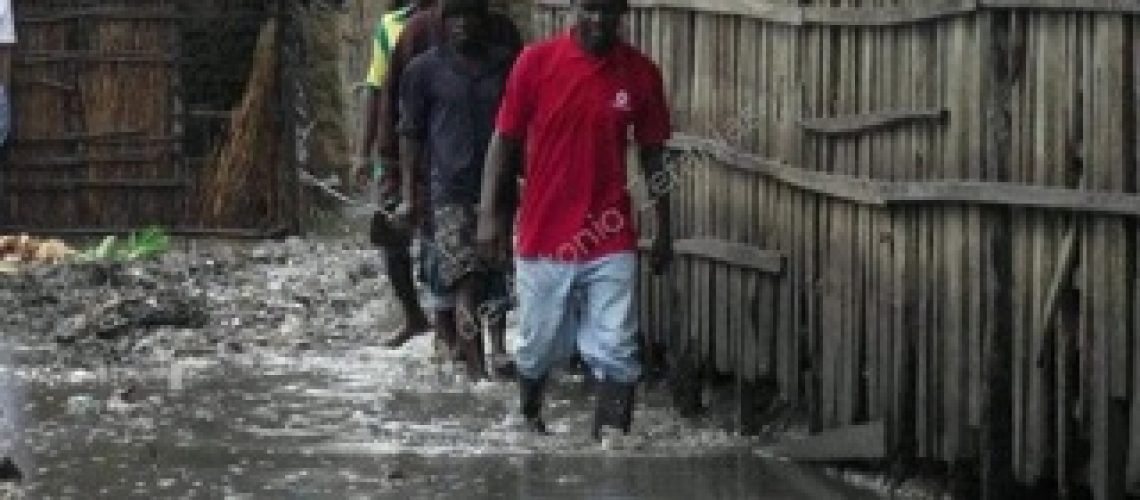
[[201, 298]]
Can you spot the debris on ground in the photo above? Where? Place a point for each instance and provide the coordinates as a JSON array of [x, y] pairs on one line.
[[295, 294], [24, 248]]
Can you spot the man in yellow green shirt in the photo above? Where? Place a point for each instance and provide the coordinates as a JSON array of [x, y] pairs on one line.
[[395, 242]]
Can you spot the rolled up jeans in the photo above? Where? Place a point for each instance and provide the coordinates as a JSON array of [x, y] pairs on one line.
[[591, 303]]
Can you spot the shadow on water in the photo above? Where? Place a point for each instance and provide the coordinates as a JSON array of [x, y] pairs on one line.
[[358, 423]]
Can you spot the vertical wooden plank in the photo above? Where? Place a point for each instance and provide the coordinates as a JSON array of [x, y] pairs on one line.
[[701, 87], [742, 214], [790, 109], [886, 236], [688, 350], [808, 80], [1109, 329], [855, 254], [996, 470], [974, 122], [923, 227], [1133, 473], [1043, 81], [1064, 327], [838, 162], [1019, 228], [726, 106], [705, 91], [902, 411], [955, 239]]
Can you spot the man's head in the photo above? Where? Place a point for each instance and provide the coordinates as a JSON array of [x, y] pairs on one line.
[[598, 23], [463, 20]]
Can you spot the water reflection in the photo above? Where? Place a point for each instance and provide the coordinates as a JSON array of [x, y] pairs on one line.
[[354, 423], [15, 457]]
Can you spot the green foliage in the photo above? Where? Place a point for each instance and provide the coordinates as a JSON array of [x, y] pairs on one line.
[[139, 245]]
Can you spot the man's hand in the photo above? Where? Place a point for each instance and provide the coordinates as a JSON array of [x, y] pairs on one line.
[[490, 239], [402, 216], [661, 256]]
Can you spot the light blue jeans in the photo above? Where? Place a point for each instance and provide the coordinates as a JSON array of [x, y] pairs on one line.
[[591, 303]]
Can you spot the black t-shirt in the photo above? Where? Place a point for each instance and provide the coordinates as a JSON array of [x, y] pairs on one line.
[[449, 105]]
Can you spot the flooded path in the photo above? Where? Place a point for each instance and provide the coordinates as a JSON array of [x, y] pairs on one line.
[[337, 418]]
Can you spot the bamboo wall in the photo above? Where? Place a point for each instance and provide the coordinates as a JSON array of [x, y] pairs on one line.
[[951, 189]]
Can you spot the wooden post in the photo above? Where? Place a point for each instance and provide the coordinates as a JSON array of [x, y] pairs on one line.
[[997, 466]]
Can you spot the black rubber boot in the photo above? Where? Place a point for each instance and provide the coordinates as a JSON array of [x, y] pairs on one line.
[[530, 403], [614, 407]]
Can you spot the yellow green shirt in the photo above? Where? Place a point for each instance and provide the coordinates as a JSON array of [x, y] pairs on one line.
[[384, 42]]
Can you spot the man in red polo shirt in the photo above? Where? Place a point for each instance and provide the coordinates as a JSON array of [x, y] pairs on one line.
[[573, 100]]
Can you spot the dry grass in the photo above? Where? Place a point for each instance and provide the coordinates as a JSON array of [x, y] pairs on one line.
[[239, 186], [324, 34]]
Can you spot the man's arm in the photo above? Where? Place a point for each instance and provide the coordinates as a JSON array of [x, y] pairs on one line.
[[501, 154], [657, 177], [409, 157], [388, 106], [415, 110], [371, 120]]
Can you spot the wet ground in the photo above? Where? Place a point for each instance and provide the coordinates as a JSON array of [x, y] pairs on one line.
[[276, 390]]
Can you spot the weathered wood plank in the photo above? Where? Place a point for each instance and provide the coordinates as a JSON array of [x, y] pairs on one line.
[[925, 228], [726, 252], [724, 109], [887, 193], [826, 235], [843, 161], [850, 443], [796, 15], [867, 289], [871, 121], [1062, 322], [996, 467], [903, 439], [806, 74], [1107, 471], [1133, 472], [955, 386], [1108, 6]]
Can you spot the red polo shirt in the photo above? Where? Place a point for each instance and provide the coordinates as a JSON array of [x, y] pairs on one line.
[[575, 112]]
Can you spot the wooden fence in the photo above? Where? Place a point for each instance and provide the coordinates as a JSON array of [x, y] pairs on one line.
[[919, 212], [117, 105]]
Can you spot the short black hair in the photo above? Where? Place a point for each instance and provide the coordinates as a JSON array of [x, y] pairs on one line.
[[460, 7], [624, 4]]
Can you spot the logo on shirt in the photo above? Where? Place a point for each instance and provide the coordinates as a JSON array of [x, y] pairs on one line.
[[621, 100]]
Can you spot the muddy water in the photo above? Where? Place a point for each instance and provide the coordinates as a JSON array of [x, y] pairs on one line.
[[272, 400], [360, 423]]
